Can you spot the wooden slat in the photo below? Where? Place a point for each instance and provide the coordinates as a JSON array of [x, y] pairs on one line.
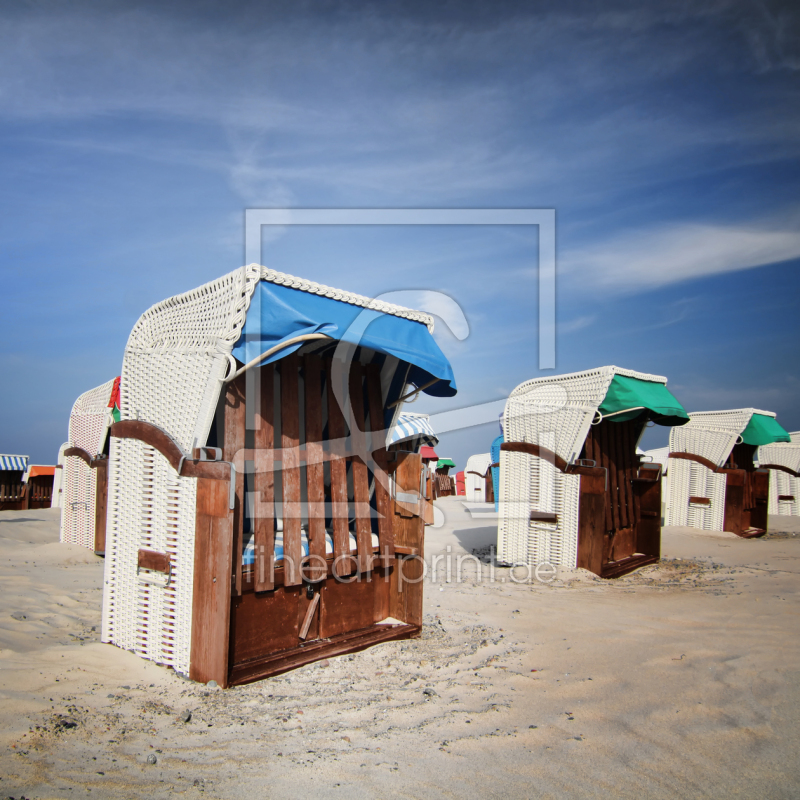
[[603, 461], [358, 465], [315, 474], [100, 505], [312, 607], [233, 442], [290, 440], [380, 476], [264, 484], [622, 472], [337, 432]]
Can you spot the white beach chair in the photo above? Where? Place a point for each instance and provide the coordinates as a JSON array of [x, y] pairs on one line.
[[713, 480], [223, 565], [84, 474], [572, 489]]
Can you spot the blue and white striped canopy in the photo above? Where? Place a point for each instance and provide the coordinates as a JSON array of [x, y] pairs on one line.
[[410, 426], [14, 462]]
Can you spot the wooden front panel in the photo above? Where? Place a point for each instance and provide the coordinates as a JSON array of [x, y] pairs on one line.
[[405, 593], [612, 446], [759, 493], [213, 551], [734, 500], [264, 482], [349, 606], [265, 623], [100, 505], [591, 520], [647, 493]]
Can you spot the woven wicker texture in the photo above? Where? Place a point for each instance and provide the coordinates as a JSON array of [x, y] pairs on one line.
[[475, 485], [687, 479], [554, 412], [712, 434], [782, 485], [174, 364], [88, 426]]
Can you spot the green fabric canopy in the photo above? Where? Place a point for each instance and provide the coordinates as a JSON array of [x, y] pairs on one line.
[[445, 462], [647, 397], [764, 430]]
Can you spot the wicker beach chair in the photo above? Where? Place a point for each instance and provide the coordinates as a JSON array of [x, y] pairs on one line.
[[573, 492], [84, 479], [13, 493], [713, 479], [257, 519], [782, 459], [476, 474]]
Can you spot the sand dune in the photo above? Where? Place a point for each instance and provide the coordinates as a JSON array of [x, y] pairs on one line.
[[678, 680]]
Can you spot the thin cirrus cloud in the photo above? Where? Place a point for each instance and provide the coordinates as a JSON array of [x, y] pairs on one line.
[[664, 255]]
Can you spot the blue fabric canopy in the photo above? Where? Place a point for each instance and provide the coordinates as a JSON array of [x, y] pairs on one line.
[[279, 313], [410, 426], [14, 463]]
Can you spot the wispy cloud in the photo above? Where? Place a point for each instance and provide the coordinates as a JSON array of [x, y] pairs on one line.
[[659, 256], [577, 324]]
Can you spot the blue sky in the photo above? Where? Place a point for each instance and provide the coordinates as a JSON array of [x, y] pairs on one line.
[[666, 136]]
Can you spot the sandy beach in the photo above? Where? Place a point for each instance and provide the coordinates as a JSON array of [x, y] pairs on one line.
[[681, 679]]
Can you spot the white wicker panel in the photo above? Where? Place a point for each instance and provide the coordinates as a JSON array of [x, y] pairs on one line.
[[151, 508], [528, 482], [782, 484], [715, 445], [712, 434], [474, 485], [690, 479], [78, 498], [781, 453], [557, 543], [58, 479], [561, 407], [90, 418], [88, 426]]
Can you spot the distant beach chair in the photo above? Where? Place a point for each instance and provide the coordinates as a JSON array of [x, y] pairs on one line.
[[84, 479], [573, 491], [259, 516], [713, 480], [461, 490], [477, 478], [13, 493]]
